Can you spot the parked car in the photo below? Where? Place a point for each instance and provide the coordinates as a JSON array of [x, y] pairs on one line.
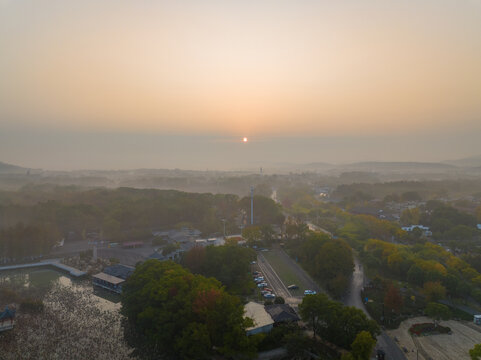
[[293, 287], [310, 292], [253, 262], [259, 279], [269, 296], [268, 289], [262, 285]]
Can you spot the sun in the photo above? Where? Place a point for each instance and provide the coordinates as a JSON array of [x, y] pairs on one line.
[[244, 139]]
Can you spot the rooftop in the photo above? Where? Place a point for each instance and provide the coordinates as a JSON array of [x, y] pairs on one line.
[[119, 270], [258, 314], [281, 313], [109, 278]]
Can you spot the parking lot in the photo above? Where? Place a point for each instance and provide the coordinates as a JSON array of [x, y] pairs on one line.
[[276, 282]]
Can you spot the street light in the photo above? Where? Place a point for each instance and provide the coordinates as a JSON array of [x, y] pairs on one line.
[[224, 220]]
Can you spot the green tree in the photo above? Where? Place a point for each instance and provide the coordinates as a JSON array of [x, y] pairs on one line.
[[437, 312], [171, 313], [475, 352], [362, 346], [334, 265], [252, 234], [410, 217], [434, 291], [335, 322], [393, 299], [230, 264]]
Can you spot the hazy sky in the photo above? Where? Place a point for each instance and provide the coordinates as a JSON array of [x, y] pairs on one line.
[[117, 84]]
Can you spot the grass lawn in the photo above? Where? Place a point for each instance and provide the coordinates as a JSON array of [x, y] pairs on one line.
[[285, 272]]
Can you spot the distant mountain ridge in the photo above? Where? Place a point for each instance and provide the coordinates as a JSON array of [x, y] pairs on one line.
[[472, 161], [400, 164], [12, 169]]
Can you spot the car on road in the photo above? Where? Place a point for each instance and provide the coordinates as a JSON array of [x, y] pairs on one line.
[[269, 296], [310, 292], [293, 287], [262, 285]]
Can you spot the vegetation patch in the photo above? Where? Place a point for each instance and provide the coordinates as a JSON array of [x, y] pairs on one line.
[[425, 329]]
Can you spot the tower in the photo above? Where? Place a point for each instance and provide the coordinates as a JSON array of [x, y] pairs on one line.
[[252, 205]]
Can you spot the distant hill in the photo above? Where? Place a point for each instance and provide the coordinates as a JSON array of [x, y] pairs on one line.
[[473, 161], [12, 169], [398, 166]]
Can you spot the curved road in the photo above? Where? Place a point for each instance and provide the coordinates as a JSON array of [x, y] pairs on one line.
[[353, 298], [393, 352]]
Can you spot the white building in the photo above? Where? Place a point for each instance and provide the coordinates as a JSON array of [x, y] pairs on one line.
[[263, 322]]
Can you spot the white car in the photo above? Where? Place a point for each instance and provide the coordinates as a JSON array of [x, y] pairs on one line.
[[262, 285], [310, 292], [269, 296]]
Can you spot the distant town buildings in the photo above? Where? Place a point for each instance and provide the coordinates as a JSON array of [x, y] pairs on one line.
[[424, 229]]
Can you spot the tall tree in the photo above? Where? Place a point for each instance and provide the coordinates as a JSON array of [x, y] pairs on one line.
[[335, 322], [173, 314], [362, 346], [392, 299]]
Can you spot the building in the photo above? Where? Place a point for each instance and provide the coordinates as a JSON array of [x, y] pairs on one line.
[[112, 277], [179, 236], [282, 313], [108, 282], [425, 229], [120, 271], [477, 319], [7, 319], [263, 322], [132, 244]]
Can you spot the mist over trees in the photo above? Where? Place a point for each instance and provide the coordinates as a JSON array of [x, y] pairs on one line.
[[126, 213]]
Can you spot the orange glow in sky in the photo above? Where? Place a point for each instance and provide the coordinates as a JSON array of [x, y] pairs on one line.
[[306, 68], [244, 139]]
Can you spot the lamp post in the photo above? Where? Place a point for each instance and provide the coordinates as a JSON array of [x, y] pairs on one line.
[[224, 220], [252, 205]]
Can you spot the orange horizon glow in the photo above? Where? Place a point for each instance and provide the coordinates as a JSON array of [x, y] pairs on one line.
[[271, 68]]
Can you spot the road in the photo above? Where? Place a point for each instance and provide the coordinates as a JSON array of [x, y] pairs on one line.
[[393, 352], [271, 277], [353, 298]]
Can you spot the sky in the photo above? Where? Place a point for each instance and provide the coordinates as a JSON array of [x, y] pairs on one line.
[[178, 84]]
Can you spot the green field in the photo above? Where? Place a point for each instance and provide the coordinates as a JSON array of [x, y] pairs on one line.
[[285, 272]]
